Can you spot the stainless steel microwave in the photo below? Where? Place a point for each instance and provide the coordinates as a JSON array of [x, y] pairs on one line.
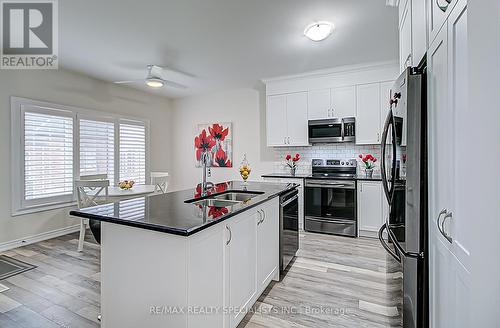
[[332, 130]]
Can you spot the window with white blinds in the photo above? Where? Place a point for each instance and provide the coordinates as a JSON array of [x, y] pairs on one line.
[[133, 152], [97, 148], [48, 155], [52, 145]]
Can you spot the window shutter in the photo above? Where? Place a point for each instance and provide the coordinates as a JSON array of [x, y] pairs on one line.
[[97, 142], [48, 155], [133, 152]]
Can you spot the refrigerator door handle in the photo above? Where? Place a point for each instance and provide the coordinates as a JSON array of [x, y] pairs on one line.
[[388, 190], [397, 257], [395, 242]]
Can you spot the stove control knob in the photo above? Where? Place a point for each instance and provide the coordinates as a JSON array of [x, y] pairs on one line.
[[342, 163]]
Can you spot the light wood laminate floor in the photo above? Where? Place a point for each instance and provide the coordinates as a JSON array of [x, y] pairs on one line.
[[334, 282]]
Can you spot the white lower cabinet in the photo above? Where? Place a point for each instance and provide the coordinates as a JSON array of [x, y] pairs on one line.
[[241, 257], [371, 209], [251, 258], [267, 246]]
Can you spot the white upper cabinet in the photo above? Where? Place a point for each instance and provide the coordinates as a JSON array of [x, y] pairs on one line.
[[418, 30], [385, 97], [319, 106], [412, 32], [368, 114], [405, 51], [286, 117], [276, 120], [343, 101], [296, 116]]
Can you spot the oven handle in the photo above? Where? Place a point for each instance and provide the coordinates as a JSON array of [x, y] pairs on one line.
[[294, 198], [351, 222], [331, 186]]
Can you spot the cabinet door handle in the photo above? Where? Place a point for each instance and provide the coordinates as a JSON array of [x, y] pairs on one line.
[[263, 216], [230, 235], [440, 224], [260, 218]]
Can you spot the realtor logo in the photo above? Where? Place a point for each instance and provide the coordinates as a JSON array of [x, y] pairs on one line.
[[29, 34]]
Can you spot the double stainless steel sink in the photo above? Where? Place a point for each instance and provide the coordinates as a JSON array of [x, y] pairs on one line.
[[227, 198]]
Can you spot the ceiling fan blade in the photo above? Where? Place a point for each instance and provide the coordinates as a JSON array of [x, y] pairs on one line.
[[125, 82], [174, 84]]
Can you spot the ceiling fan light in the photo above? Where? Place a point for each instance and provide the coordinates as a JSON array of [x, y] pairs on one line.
[[154, 82], [318, 31]]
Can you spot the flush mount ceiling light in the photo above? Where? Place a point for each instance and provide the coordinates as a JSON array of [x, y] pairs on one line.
[[154, 82], [318, 31]]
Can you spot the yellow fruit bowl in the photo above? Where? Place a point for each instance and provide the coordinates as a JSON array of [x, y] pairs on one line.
[[126, 184]]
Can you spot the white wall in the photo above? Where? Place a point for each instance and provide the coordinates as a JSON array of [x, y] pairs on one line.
[[69, 88], [245, 108]]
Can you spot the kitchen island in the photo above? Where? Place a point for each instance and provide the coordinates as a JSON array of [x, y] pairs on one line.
[[183, 259]]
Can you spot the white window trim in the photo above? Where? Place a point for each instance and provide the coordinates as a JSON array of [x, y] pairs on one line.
[[18, 206]]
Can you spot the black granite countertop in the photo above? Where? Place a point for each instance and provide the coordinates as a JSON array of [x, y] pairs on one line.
[[170, 213]]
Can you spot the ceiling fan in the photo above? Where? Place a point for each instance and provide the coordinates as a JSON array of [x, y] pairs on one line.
[[154, 79]]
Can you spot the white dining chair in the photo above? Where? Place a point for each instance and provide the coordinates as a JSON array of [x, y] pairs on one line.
[[90, 191], [160, 181]]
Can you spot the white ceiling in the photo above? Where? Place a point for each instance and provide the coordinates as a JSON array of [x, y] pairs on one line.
[[223, 43]]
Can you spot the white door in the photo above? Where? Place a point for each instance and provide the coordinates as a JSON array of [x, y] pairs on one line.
[[405, 54], [276, 120], [296, 113], [368, 114], [242, 248], [319, 104], [344, 101], [370, 206], [267, 244]]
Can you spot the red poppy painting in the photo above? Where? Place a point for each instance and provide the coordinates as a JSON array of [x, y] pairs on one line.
[[216, 140]]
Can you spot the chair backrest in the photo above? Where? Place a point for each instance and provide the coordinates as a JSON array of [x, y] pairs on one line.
[[90, 189], [160, 181], [94, 177]]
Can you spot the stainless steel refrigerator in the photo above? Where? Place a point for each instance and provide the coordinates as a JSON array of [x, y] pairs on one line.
[[404, 170]]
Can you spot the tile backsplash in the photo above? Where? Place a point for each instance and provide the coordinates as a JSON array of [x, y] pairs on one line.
[[324, 151]]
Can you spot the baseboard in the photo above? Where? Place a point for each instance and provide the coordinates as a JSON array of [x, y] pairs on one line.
[[37, 238]]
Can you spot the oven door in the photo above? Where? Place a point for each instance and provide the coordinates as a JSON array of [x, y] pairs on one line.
[[330, 130], [330, 207]]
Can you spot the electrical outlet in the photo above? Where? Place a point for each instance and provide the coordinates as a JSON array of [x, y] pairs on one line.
[[209, 172]]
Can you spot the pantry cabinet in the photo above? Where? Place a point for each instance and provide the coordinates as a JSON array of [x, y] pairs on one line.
[[287, 120], [450, 215]]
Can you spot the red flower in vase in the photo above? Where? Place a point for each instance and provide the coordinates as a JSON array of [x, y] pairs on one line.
[[218, 132], [203, 143], [221, 158], [216, 212]]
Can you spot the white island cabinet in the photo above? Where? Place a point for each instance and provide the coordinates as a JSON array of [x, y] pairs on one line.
[[208, 279]]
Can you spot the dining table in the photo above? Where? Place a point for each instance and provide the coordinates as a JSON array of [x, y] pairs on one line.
[[136, 191]]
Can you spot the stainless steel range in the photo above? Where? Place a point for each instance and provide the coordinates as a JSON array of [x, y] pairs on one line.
[[330, 198]]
